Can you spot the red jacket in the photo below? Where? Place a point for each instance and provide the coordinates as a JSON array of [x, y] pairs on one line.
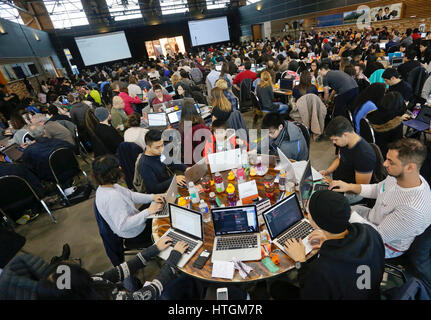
[[246, 74], [128, 100], [210, 145]]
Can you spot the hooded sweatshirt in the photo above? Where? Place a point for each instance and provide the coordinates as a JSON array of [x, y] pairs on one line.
[[291, 141], [339, 267]]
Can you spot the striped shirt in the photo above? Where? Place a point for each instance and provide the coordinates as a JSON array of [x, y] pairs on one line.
[[400, 214]]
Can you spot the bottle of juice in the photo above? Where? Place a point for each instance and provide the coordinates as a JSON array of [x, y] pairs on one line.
[[231, 196]]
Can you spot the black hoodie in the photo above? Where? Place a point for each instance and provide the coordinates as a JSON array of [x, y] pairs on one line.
[[334, 273]]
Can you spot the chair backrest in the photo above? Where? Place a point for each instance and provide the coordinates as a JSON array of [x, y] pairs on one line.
[[127, 154], [113, 244], [256, 102], [306, 134], [367, 131], [419, 256], [14, 189], [63, 164], [380, 173], [245, 94]]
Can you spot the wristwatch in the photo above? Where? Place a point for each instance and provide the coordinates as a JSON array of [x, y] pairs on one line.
[[298, 265]]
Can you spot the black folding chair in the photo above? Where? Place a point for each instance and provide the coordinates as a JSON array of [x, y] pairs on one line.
[[62, 161], [367, 132], [15, 189], [80, 148]]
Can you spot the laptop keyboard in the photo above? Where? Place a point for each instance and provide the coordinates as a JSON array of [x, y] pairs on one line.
[[320, 187], [232, 243], [176, 238], [300, 231], [163, 211]]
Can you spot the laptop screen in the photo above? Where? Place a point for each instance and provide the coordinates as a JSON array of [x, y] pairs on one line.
[[157, 119], [174, 117], [235, 220], [424, 115], [282, 216], [169, 89], [286, 84], [306, 184], [185, 220]]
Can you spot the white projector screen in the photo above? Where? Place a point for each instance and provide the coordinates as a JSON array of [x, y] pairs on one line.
[[103, 47], [209, 31]]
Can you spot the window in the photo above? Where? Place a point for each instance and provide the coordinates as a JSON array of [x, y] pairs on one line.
[[173, 6], [66, 13], [251, 1], [9, 13], [124, 9], [217, 4]]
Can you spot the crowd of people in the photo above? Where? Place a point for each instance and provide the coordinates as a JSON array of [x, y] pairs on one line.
[[345, 79]]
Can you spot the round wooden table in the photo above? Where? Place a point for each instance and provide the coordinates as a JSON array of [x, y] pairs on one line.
[[260, 272]]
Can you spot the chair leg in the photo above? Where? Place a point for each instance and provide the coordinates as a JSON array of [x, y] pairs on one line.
[[49, 211], [63, 194]]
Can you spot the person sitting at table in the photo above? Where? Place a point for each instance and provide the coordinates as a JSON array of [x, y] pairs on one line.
[[286, 136], [222, 84], [221, 107], [393, 80], [117, 205], [305, 86], [133, 88], [106, 133], [53, 129], [155, 174], [160, 96], [151, 94], [246, 74], [18, 128], [403, 200], [220, 141], [128, 100], [134, 132], [344, 86], [343, 249], [304, 53], [15, 211], [356, 160], [409, 64], [265, 94], [387, 120], [425, 54], [36, 155], [362, 81]]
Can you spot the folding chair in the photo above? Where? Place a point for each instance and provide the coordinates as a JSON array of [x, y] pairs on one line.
[[367, 132], [15, 189]]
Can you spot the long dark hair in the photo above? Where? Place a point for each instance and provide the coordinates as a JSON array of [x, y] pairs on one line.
[[189, 113], [304, 82], [106, 169], [373, 93]]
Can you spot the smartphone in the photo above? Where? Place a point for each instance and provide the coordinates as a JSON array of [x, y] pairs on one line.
[[202, 259], [222, 294]]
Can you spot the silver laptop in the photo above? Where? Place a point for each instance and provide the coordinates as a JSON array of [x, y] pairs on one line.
[[174, 117], [157, 120], [285, 221], [197, 171], [306, 186], [171, 197], [186, 225], [236, 234]]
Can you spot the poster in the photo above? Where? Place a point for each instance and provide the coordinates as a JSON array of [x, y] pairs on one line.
[[355, 16], [388, 12], [165, 46]]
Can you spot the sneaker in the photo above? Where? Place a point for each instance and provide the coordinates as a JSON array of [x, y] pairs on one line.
[[33, 216], [23, 220]]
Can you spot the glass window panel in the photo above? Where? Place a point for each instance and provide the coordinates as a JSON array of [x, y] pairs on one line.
[[9, 13], [66, 13], [173, 6], [130, 9], [216, 4]]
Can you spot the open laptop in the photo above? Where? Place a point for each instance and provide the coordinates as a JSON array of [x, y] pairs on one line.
[[285, 221], [236, 234], [171, 197], [197, 171], [170, 89], [224, 160], [286, 84], [422, 120], [174, 117], [4, 142], [177, 102], [306, 186], [13, 152], [397, 61], [186, 225], [157, 120], [392, 55], [161, 107]]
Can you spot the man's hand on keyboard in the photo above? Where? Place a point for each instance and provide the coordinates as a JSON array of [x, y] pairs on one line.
[[159, 198], [181, 247], [154, 208], [181, 180], [295, 249], [163, 243]]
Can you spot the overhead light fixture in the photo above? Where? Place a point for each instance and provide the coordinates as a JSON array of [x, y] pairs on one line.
[[36, 36], [259, 6], [2, 30]]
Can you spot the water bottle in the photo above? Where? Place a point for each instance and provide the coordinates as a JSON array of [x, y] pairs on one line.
[[203, 208], [282, 180], [194, 195], [416, 109], [245, 162], [219, 184]]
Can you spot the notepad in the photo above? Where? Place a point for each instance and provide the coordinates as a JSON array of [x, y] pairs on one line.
[[223, 269]]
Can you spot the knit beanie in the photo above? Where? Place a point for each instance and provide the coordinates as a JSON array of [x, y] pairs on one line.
[[330, 211], [101, 113]]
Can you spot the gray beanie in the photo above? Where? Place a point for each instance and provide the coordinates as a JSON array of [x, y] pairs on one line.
[[101, 113]]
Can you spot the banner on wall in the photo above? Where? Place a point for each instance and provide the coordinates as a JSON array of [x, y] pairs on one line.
[[388, 12], [355, 16], [330, 20]]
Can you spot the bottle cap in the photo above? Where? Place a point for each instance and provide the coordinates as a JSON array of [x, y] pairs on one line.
[[191, 184], [212, 194]]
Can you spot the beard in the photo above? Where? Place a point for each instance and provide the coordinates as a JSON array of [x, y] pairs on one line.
[[398, 176]]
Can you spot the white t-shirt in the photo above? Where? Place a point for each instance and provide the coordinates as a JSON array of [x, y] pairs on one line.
[[136, 135], [134, 89]]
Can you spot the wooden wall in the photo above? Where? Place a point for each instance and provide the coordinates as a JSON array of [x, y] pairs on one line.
[[420, 9]]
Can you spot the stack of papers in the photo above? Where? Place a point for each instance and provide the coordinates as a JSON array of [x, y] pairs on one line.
[[223, 269]]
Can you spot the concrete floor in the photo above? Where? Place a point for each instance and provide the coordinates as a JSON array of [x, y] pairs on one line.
[[77, 225]]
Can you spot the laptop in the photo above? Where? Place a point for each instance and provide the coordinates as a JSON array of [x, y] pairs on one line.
[[423, 35], [397, 61], [171, 197], [286, 84], [285, 221], [197, 171], [186, 225], [224, 160], [236, 234], [392, 55], [140, 96], [177, 102], [157, 120], [170, 89], [382, 45], [306, 186], [13, 152], [4, 142], [174, 117], [422, 120]]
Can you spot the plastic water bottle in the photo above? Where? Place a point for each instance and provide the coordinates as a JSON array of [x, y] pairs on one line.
[[219, 184], [203, 208], [416, 109], [282, 180], [194, 195], [245, 162]]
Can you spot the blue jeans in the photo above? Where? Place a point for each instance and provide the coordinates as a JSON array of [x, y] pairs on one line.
[[282, 108]]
